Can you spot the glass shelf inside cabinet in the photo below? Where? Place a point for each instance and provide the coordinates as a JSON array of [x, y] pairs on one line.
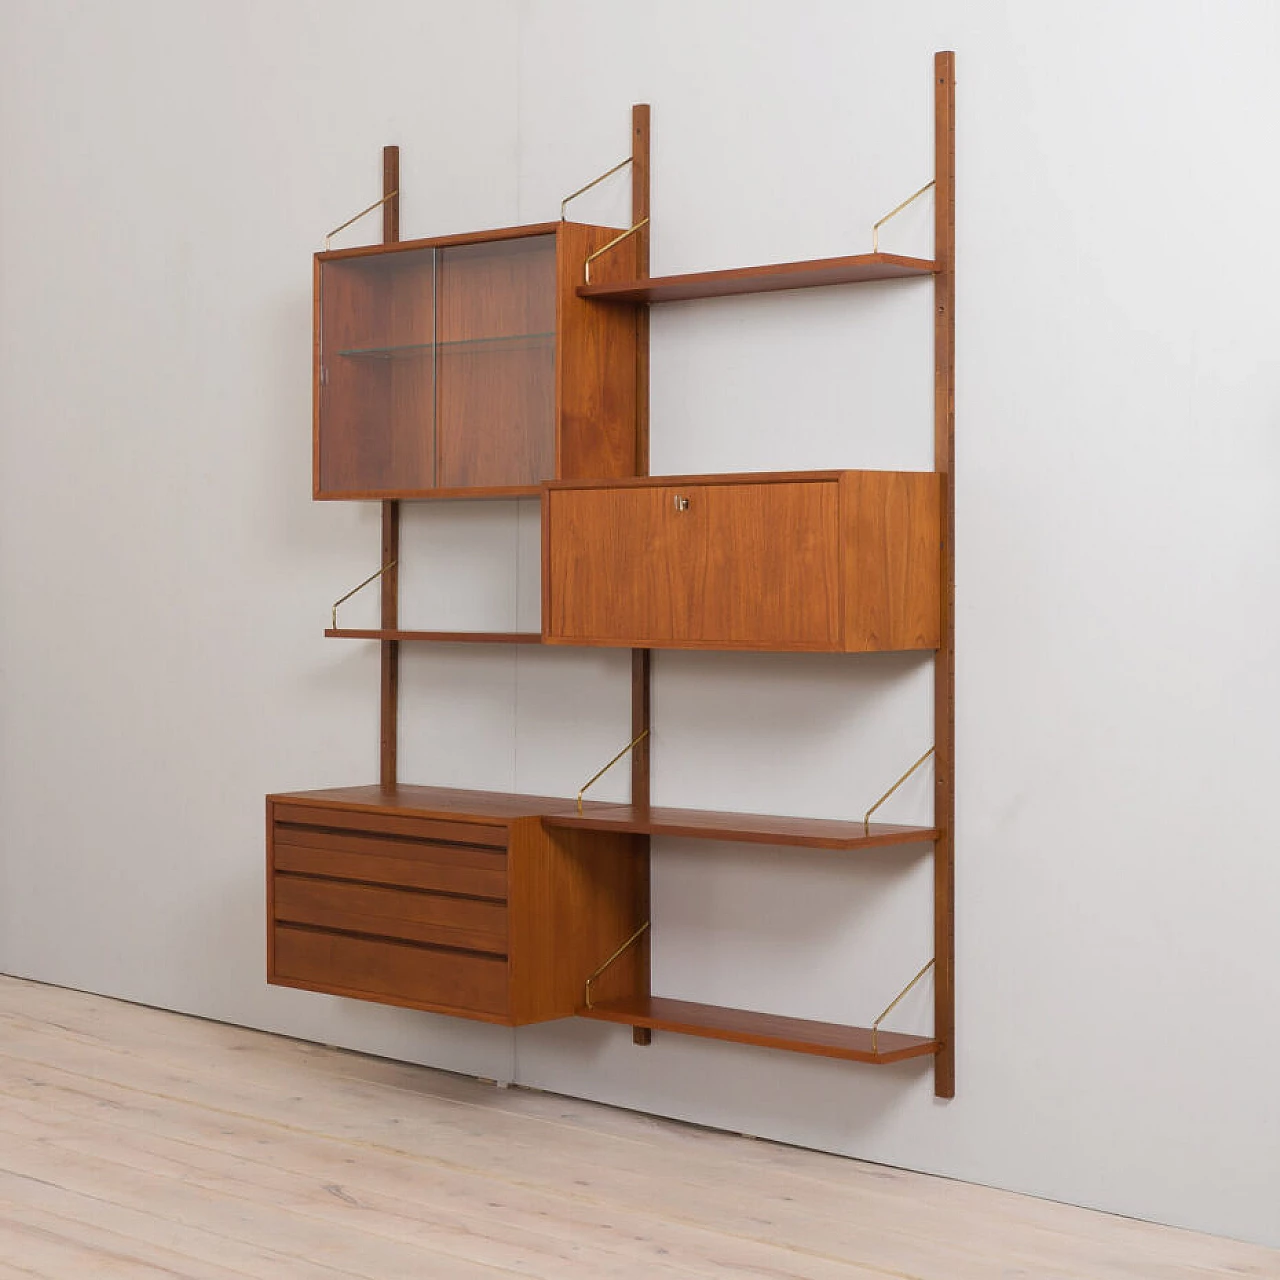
[[421, 350]]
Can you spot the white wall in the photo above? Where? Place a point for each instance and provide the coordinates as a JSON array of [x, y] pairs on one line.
[[168, 171], [165, 576]]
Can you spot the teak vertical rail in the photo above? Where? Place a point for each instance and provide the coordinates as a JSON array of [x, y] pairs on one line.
[[641, 659], [944, 707], [388, 735]]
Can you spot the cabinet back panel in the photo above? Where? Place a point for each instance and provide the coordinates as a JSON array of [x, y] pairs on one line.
[[496, 409], [495, 406]]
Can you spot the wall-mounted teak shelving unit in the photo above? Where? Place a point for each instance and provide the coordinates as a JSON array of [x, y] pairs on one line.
[[517, 362]]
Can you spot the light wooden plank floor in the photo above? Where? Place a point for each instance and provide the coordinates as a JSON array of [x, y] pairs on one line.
[[139, 1143]]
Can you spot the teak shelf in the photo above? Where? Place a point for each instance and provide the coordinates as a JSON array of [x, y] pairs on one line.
[[434, 637], [772, 278], [749, 828], [516, 362], [769, 1031]]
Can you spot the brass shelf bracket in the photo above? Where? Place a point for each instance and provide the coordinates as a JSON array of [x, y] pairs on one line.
[[391, 195], [875, 230], [595, 182], [866, 819], [595, 777], [893, 1004], [630, 942], [372, 577], [604, 248]]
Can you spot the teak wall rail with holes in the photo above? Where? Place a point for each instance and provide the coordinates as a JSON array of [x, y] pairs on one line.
[[515, 362]]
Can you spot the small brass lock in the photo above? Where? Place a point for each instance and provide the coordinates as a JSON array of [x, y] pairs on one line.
[[682, 503]]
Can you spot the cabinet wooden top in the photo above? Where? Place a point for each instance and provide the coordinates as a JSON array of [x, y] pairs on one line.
[[436, 802], [728, 477], [466, 237]]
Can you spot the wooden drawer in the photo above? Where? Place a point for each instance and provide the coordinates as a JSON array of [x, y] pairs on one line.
[[826, 561], [388, 822], [400, 914], [392, 972], [429, 865]]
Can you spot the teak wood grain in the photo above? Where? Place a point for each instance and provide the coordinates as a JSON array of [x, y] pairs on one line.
[[750, 828], [389, 649], [434, 637], [770, 278], [573, 899], [731, 566], [825, 562], [397, 914], [596, 362], [440, 242], [380, 860], [641, 659], [398, 816], [403, 807], [769, 1031], [397, 902], [890, 547], [944, 708], [389, 583], [429, 978]]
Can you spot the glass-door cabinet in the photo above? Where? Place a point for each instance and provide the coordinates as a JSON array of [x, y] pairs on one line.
[[468, 366]]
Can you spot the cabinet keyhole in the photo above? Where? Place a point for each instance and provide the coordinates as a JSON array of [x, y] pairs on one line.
[[682, 503]]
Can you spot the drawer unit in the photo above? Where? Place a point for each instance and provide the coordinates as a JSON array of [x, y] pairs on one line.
[[822, 561], [448, 901]]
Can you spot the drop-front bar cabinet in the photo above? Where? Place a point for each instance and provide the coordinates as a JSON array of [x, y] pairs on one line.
[[843, 561]]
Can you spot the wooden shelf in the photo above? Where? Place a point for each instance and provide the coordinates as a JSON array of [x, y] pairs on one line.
[[772, 278], [750, 828], [435, 637], [798, 1035]]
